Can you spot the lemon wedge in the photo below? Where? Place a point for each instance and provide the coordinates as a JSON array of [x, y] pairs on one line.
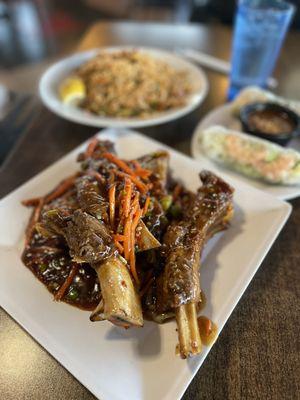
[[72, 90]]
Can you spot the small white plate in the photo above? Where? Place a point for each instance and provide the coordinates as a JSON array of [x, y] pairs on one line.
[[222, 116], [137, 364], [52, 78]]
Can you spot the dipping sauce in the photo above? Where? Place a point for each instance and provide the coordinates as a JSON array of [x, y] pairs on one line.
[[271, 122]]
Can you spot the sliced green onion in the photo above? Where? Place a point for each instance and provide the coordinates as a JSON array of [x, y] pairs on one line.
[[166, 202], [42, 267], [175, 210], [73, 294]]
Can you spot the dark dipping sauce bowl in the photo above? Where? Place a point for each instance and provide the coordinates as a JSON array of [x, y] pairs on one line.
[[270, 121]]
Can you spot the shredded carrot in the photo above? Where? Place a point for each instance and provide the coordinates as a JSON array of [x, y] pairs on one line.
[[132, 174], [132, 239], [91, 147], [137, 216], [111, 178], [33, 221], [64, 287], [64, 186], [127, 199], [136, 219], [68, 193], [138, 183], [129, 211], [119, 246], [136, 164], [176, 192], [127, 234], [120, 163], [58, 191], [119, 237], [134, 208], [112, 204], [142, 172], [120, 204], [132, 253], [146, 205], [136, 199], [31, 202], [133, 266]]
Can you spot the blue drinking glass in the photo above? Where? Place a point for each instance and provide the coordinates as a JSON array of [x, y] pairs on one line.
[[260, 28]]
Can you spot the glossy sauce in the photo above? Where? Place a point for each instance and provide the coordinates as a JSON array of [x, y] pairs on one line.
[[208, 330], [271, 122], [50, 262]]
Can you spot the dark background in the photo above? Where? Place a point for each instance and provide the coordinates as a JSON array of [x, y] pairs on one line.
[[35, 33], [32, 30]]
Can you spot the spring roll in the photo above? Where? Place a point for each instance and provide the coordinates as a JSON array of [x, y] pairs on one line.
[[251, 156]]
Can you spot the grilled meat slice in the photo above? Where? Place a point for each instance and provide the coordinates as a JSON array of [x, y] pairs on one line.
[[90, 241], [179, 282], [90, 199], [158, 164], [210, 212], [184, 241]]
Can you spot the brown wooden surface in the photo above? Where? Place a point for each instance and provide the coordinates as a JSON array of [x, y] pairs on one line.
[[257, 353]]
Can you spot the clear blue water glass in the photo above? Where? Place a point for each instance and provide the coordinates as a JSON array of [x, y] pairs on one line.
[[260, 28]]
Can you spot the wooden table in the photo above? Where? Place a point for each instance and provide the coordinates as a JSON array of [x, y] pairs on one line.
[[257, 354]]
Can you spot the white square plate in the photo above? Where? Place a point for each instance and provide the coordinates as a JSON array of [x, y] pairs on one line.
[[138, 364]]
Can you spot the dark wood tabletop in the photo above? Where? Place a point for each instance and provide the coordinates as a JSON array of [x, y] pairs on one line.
[[257, 353]]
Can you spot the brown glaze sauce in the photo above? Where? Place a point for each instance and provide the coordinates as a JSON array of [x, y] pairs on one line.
[[208, 330], [271, 122], [50, 262]]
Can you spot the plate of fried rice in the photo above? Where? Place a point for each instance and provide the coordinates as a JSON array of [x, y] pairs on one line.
[[123, 87]]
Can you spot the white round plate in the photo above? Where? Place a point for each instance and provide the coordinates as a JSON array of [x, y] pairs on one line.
[[222, 116], [55, 74]]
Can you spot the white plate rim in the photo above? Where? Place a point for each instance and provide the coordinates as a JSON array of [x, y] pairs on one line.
[[74, 114]]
